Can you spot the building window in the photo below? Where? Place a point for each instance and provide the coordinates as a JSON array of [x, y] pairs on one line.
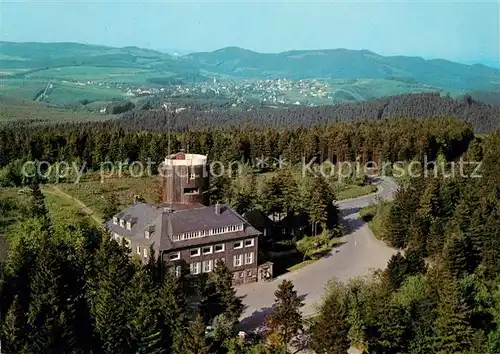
[[249, 243], [122, 223], [219, 248], [174, 256], [237, 260], [249, 258], [115, 220], [194, 268], [207, 266], [207, 250], [195, 252], [138, 248], [129, 225], [238, 245], [240, 227], [146, 234], [145, 252]]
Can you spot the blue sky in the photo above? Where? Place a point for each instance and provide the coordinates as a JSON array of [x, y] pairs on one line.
[[458, 30]]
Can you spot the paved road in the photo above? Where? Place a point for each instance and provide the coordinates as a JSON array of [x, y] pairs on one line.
[[359, 255]]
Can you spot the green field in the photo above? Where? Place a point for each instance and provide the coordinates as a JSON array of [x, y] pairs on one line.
[[96, 195], [13, 109]]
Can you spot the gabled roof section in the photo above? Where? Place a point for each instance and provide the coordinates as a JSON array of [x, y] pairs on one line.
[[165, 222]]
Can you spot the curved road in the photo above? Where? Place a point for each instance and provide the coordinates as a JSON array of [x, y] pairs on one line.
[[359, 255]]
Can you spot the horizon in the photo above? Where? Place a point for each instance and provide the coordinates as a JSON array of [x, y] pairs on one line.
[[457, 31]]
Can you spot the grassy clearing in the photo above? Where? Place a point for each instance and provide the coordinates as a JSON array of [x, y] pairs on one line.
[[63, 209], [374, 215], [95, 194]]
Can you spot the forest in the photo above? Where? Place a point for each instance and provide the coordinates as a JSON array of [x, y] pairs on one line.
[[90, 144], [71, 289], [483, 117]]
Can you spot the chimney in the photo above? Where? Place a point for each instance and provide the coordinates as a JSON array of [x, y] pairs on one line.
[[217, 208]]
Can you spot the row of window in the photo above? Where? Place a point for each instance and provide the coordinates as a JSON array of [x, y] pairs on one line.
[[203, 267], [122, 222], [195, 252], [210, 232], [238, 259]]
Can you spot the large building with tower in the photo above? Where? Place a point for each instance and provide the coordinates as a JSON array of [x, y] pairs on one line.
[[185, 231]]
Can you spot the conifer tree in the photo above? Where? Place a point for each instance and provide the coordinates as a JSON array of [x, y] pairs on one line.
[[146, 321], [429, 201], [396, 228], [388, 334], [452, 329], [173, 308], [38, 209], [459, 255], [13, 335], [285, 321], [196, 341], [222, 279], [397, 268], [329, 331], [109, 297]]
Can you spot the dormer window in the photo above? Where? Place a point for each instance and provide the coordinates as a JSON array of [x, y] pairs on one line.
[[129, 225], [147, 234], [115, 220], [122, 223]]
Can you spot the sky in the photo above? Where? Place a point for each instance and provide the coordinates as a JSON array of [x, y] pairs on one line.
[[464, 31]]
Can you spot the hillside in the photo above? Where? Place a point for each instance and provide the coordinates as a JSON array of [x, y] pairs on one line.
[[343, 63], [82, 72], [17, 110], [482, 117]]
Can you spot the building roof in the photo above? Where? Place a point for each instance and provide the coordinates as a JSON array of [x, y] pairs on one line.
[[163, 222], [259, 219]]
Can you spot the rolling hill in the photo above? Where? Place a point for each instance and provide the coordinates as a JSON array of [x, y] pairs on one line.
[[101, 73], [343, 64]]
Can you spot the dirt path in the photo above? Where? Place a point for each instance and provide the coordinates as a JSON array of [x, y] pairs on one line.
[[54, 190]]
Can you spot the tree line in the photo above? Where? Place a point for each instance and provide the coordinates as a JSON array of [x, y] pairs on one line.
[[483, 117], [91, 144]]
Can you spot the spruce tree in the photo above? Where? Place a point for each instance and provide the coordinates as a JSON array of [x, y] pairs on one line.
[[389, 333], [173, 309], [285, 320], [396, 228], [38, 209], [109, 306], [146, 322], [196, 340], [459, 255], [329, 331], [222, 279], [397, 268], [452, 329], [14, 335]]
